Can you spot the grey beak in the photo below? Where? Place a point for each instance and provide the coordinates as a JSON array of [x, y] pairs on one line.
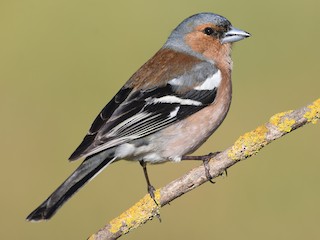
[[234, 35]]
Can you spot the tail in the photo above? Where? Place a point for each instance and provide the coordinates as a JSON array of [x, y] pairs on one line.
[[88, 169]]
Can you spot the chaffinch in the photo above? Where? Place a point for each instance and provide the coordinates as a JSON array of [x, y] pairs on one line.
[[165, 111]]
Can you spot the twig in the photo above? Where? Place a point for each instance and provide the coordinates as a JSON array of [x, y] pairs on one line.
[[246, 146]]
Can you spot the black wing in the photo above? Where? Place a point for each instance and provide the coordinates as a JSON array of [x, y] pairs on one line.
[[100, 120], [133, 114]]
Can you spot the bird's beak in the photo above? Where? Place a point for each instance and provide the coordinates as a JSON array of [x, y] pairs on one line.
[[234, 35]]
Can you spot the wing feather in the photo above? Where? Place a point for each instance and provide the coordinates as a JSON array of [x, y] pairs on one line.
[[136, 113]]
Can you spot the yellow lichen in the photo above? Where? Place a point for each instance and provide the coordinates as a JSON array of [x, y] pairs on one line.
[[136, 215], [282, 122], [314, 114], [249, 143]]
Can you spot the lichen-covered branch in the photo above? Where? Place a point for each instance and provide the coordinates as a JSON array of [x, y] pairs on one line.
[[247, 145]]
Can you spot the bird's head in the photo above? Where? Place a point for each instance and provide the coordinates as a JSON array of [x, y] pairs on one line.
[[205, 35]]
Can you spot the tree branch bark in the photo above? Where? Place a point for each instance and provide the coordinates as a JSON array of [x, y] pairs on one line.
[[246, 146]]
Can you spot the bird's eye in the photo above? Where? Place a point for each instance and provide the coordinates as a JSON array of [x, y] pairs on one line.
[[208, 31]]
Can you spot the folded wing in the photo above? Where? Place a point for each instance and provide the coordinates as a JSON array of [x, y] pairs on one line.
[[136, 113]]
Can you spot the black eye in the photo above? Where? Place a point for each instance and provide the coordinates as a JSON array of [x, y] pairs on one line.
[[208, 31]]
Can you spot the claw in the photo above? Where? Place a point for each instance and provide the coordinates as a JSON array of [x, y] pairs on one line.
[[151, 191], [205, 160], [207, 169]]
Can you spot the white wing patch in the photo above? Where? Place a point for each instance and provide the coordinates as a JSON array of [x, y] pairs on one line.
[[174, 112], [173, 99], [211, 82]]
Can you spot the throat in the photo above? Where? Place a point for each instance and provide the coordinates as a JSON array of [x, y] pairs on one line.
[[221, 55]]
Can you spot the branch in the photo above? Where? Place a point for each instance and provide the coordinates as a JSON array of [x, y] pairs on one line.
[[246, 146]]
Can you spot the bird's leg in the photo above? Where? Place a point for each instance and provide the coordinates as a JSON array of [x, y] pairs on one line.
[[205, 159], [151, 189]]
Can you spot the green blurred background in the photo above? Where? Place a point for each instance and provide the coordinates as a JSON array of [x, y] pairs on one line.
[[62, 61]]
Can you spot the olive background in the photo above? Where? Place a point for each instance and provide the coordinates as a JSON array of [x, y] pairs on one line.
[[62, 61]]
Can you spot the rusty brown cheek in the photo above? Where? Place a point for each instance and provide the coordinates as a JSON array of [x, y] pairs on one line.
[[210, 48]]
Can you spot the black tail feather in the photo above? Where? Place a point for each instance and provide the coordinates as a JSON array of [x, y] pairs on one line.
[[86, 171]]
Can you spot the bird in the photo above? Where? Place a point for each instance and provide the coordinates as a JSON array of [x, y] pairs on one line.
[[166, 110]]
